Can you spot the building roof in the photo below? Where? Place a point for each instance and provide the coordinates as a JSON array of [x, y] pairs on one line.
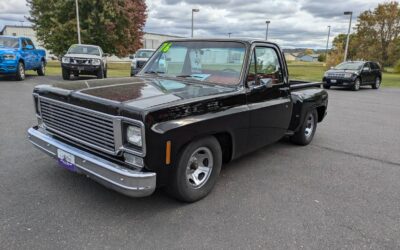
[[14, 26]]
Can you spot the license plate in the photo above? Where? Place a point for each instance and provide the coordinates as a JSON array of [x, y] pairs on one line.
[[81, 68], [333, 81], [66, 160]]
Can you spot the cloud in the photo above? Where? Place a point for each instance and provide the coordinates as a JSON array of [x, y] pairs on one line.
[[294, 23]]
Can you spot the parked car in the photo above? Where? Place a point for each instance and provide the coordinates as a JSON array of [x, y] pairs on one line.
[[84, 59], [139, 60], [18, 54], [178, 121], [353, 75]]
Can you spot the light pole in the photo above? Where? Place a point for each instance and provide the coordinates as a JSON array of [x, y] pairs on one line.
[[348, 34], [327, 43], [77, 22], [266, 32], [229, 34], [193, 11]]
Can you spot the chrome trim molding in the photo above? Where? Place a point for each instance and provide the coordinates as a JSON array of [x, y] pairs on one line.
[[130, 182]]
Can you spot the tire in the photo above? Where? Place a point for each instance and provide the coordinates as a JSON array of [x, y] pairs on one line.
[[100, 73], [307, 130], [193, 179], [105, 73], [356, 85], [326, 86], [41, 71], [20, 75], [377, 83], [66, 75]]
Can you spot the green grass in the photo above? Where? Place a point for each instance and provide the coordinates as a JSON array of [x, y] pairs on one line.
[[308, 71]]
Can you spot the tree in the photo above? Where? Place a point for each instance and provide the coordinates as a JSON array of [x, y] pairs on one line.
[[308, 51], [340, 41], [378, 33], [322, 57], [114, 25]]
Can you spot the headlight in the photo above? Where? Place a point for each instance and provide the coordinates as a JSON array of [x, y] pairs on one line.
[[326, 74], [134, 135], [95, 62], [133, 64], [9, 57], [348, 75], [65, 60]]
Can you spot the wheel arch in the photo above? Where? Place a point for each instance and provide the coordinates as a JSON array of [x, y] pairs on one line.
[[224, 138]]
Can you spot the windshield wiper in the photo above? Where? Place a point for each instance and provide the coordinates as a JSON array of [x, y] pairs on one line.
[[154, 72], [187, 76]]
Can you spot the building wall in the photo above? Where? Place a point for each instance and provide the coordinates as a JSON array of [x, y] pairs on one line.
[[308, 58], [153, 41]]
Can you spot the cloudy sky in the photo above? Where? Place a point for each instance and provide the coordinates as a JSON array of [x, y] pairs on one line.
[[294, 23]]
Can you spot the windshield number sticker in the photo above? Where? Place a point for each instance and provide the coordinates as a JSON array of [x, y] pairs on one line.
[[165, 47]]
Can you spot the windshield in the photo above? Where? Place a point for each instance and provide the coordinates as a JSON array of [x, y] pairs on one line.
[[144, 53], [350, 65], [9, 42], [213, 62], [82, 49]]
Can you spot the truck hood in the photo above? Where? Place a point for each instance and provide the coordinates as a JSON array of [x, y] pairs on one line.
[[132, 93], [140, 59], [83, 56], [342, 71], [5, 50]]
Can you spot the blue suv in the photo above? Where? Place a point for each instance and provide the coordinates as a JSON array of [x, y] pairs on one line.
[[18, 54]]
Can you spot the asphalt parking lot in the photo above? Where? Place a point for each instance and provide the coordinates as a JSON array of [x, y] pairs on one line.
[[340, 192]]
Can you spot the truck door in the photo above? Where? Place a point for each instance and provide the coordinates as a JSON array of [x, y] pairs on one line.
[[268, 96], [25, 54], [35, 57]]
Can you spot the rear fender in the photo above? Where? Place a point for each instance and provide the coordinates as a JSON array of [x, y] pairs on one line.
[[305, 101]]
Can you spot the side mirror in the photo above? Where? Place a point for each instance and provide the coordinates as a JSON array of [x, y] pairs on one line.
[[131, 57], [365, 69], [332, 67], [106, 54], [29, 47], [262, 83]]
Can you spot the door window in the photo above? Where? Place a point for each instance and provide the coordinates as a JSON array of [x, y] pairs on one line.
[[265, 64], [24, 43], [29, 41]]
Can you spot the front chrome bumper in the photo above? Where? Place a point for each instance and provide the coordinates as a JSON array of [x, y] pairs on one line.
[[121, 179]]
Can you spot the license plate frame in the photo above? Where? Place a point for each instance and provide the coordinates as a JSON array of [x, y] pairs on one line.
[[66, 160]]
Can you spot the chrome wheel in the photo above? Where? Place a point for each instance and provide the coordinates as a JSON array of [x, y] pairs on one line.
[[21, 71], [357, 84], [377, 82], [309, 126], [199, 167], [43, 68]]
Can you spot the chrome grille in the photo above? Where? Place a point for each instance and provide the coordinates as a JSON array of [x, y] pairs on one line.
[[81, 61], [336, 75], [79, 124], [140, 64]]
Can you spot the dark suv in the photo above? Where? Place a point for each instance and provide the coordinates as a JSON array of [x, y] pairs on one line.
[[353, 75]]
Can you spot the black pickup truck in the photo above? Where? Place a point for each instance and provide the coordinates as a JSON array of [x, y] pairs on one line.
[[195, 105]]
